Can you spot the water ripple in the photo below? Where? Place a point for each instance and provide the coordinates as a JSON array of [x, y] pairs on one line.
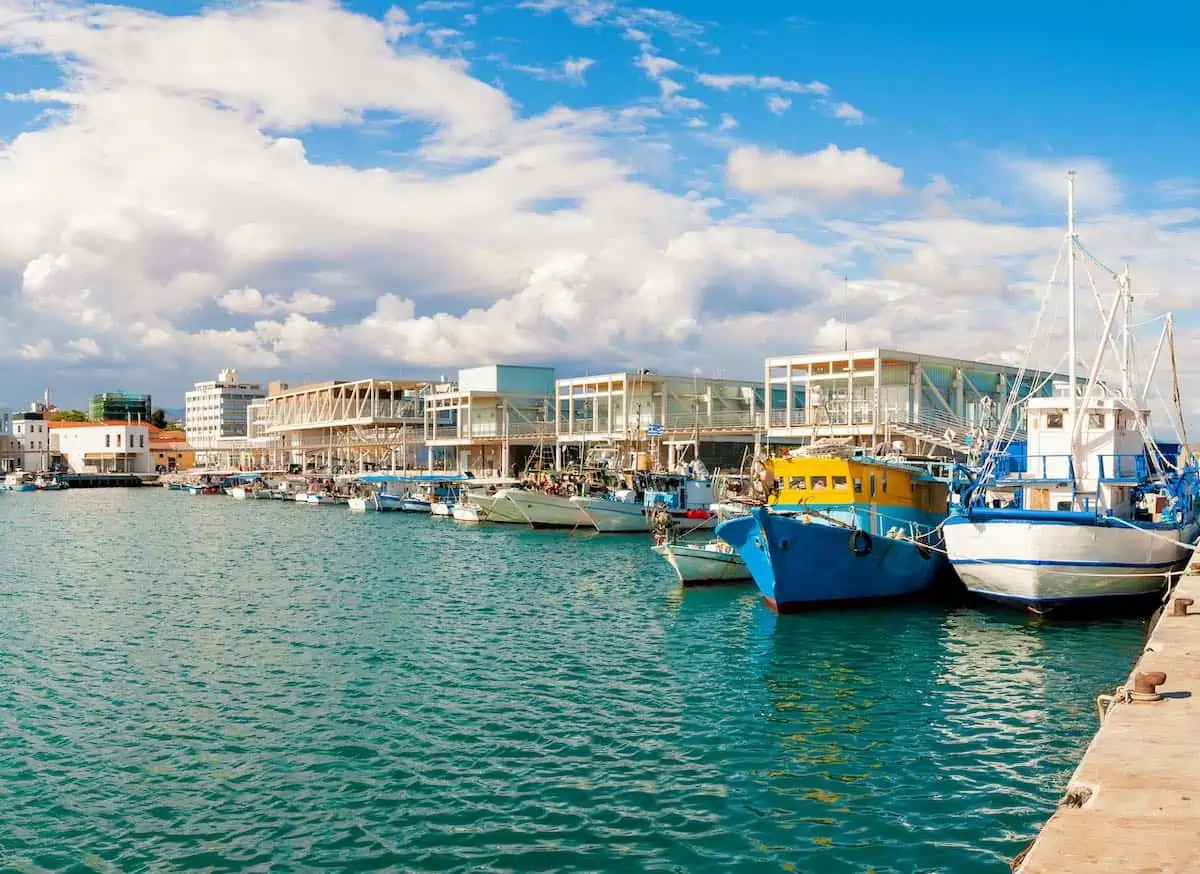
[[209, 685]]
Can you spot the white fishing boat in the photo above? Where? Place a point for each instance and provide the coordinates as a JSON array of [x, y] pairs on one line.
[[49, 482], [358, 504], [541, 510], [467, 513], [1095, 510], [238, 493], [622, 511], [496, 506], [414, 504], [685, 497], [19, 481], [712, 562], [440, 508]]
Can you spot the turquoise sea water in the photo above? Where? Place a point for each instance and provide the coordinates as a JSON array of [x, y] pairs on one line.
[[197, 683]]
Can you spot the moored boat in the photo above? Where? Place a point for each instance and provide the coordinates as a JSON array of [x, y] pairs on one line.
[[19, 481], [1094, 512], [542, 510], [713, 561], [842, 528], [467, 513]]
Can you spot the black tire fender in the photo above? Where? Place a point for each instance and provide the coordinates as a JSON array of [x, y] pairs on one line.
[[861, 543]]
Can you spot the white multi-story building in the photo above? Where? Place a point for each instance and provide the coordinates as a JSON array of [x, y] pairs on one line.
[[31, 438], [215, 415], [102, 447]]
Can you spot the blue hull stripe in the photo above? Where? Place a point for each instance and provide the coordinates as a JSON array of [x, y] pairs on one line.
[[1024, 563], [1050, 517]]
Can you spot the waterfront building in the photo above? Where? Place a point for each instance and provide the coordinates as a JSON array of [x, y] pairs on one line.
[[492, 421], [169, 450], [31, 438], [885, 396], [119, 406], [102, 447], [9, 448], [215, 418], [338, 426], [671, 417]]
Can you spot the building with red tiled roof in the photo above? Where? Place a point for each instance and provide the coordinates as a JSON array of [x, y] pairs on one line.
[[170, 451]]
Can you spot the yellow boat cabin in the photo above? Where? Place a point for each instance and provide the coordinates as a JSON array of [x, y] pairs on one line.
[[800, 480]]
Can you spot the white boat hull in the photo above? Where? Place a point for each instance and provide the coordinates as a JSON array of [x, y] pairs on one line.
[[414, 505], [237, 493], [704, 563], [467, 513], [614, 517], [498, 507], [547, 511], [1046, 564], [357, 505], [439, 508]]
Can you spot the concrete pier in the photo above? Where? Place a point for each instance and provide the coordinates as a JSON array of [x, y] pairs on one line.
[[107, 480], [1133, 804]]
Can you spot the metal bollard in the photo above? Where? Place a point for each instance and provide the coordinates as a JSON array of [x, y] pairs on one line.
[[1179, 607], [1145, 686]]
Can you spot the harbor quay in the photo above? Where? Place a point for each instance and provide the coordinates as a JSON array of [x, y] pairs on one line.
[[1133, 804]]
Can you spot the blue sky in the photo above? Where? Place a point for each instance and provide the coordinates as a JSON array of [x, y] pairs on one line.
[[311, 191]]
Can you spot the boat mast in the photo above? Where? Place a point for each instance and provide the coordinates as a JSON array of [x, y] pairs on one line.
[[1072, 367], [1126, 338]]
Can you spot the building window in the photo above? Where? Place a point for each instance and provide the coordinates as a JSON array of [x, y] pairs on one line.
[[118, 441], [141, 441], [1054, 420], [107, 441], [1096, 420]]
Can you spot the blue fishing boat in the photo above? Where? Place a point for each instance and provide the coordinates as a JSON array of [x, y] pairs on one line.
[[842, 527]]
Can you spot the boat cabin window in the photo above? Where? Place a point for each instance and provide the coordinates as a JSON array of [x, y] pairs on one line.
[[1064, 506], [1054, 420], [1096, 420], [872, 485], [797, 483], [820, 482], [883, 485], [858, 484], [840, 482]]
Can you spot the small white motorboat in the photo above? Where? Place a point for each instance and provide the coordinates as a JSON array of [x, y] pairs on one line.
[[467, 513], [696, 563]]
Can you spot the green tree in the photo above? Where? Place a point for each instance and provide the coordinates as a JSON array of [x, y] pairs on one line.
[[159, 418], [68, 416]]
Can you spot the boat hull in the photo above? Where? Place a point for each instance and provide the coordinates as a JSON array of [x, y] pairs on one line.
[[697, 564], [548, 511], [613, 517], [467, 513], [439, 508], [1043, 565], [414, 505], [797, 566], [497, 507]]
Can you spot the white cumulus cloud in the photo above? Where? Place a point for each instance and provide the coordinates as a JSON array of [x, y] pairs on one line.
[[830, 174]]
